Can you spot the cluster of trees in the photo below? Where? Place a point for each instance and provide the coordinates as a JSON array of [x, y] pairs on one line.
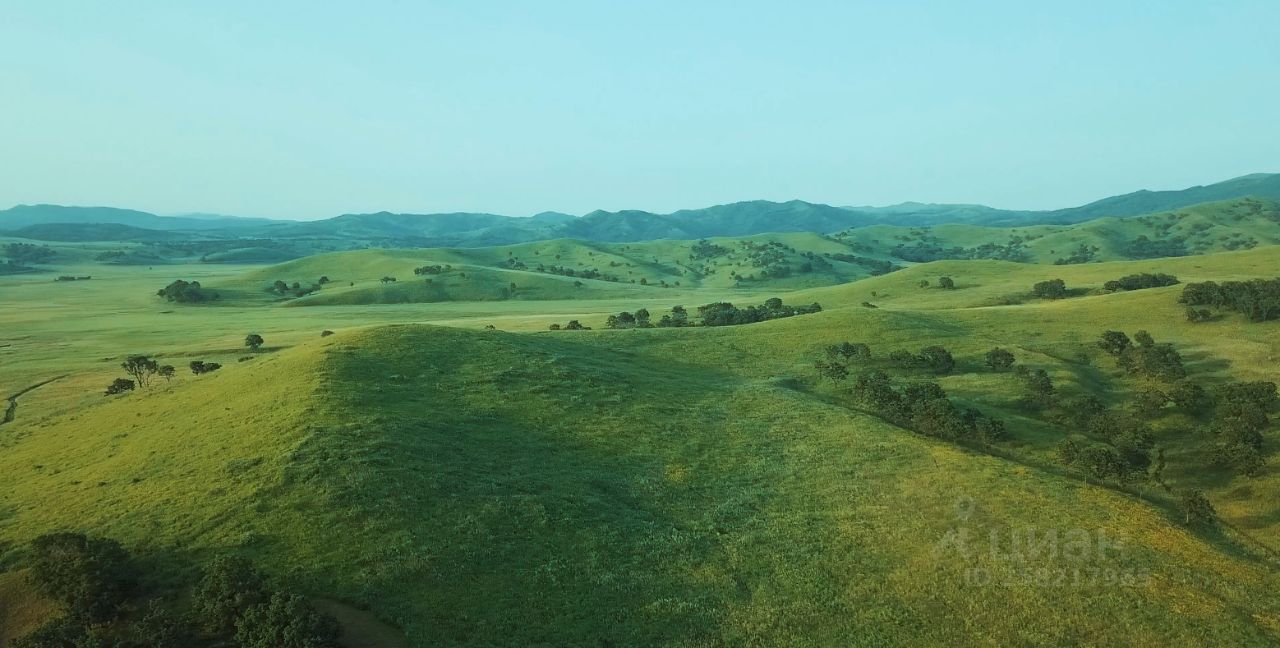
[[199, 367], [586, 273], [932, 358], [1146, 248], [296, 289], [726, 314], [143, 370], [1083, 254], [1140, 281], [931, 249], [94, 580], [573, 325], [625, 320], [1257, 299], [1239, 418], [1120, 449], [876, 267], [432, 270], [705, 249], [641, 318], [925, 408], [186, 292], [1050, 289], [1143, 356], [73, 278], [21, 254]]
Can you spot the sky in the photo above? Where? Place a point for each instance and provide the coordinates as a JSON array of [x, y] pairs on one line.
[[313, 109]]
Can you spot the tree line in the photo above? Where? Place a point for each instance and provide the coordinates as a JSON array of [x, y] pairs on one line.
[[1257, 299], [1140, 281]]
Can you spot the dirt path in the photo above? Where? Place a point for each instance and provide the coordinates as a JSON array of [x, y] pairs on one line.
[[12, 410]]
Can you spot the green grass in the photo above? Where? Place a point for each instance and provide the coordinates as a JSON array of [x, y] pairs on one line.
[[680, 487]]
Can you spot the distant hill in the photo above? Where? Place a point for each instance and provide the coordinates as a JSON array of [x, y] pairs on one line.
[[463, 229], [79, 232], [1260, 185], [25, 215]]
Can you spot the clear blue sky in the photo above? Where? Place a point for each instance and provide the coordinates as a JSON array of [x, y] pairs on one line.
[[308, 110]]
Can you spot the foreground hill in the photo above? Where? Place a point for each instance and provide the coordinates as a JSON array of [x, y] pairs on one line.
[[486, 487]]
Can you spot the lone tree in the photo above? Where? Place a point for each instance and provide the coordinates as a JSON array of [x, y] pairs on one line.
[[937, 359], [253, 341], [1115, 343], [946, 283], [1051, 289], [166, 372], [141, 368], [120, 386], [1196, 507], [999, 359], [833, 371]]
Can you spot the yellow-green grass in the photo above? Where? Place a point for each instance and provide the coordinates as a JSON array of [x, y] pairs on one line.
[[481, 487], [996, 283], [678, 487]]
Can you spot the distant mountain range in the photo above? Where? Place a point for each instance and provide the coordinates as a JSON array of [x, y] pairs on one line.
[[60, 223]]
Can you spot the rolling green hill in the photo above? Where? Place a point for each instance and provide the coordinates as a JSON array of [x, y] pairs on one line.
[[487, 487], [670, 486]]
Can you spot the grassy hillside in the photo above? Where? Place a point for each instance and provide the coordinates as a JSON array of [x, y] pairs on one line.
[[486, 487], [1201, 229]]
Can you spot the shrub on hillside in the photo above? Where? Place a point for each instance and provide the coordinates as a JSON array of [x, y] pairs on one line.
[[201, 367], [999, 359], [1051, 289], [120, 386]]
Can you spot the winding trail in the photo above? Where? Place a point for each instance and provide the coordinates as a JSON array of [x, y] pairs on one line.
[[12, 410]]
